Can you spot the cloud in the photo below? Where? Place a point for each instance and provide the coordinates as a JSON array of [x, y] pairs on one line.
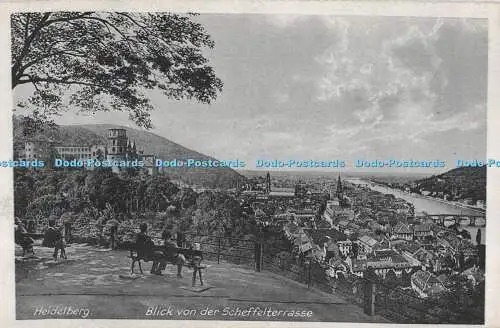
[[284, 20], [281, 97], [406, 86]]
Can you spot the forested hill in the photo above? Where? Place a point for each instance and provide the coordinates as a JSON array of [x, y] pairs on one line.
[[460, 183], [149, 142]]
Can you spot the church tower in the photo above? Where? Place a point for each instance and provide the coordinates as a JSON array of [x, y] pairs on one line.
[[117, 144], [340, 191], [268, 182]]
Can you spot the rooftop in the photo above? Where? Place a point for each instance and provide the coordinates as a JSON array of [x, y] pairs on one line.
[[320, 236], [281, 194], [368, 240], [422, 227], [427, 282], [402, 228]]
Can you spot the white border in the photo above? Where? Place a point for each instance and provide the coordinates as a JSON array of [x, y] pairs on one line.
[[457, 8]]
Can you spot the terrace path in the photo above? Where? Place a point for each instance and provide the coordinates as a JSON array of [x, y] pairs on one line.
[[98, 279]]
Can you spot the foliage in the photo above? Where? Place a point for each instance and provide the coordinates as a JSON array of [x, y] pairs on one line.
[[108, 60], [459, 183], [391, 279], [464, 299], [465, 234], [92, 195]]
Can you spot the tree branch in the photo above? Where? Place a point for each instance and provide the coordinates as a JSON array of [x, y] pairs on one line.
[[33, 79], [26, 27], [107, 24], [66, 19], [34, 61], [36, 87], [26, 46]]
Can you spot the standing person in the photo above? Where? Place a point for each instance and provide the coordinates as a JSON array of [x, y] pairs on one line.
[[196, 263], [114, 235], [61, 245], [53, 238], [67, 220], [145, 250], [67, 231], [31, 226], [180, 239]]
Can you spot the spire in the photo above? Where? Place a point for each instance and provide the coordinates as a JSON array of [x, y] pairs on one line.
[[133, 145], [268, 182], [339, 186]]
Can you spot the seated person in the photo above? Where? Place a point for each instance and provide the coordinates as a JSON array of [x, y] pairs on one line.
[[171, 251], [145, 250], [21, 237], [31, 226]]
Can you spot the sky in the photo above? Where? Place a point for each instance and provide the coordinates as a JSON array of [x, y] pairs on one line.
[[329, 87]]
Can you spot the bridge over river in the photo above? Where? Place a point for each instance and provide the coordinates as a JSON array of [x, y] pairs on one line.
[[441, 211], [469, 220]]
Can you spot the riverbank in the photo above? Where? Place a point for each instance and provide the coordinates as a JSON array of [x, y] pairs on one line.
[[427, 204], [412, 196]]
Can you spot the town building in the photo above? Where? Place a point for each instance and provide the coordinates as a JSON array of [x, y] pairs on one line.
[[282, 193], [422, 230], [345, 247], [402, 231], [366, 244], [426, 284], [41, 148], [341, 225]]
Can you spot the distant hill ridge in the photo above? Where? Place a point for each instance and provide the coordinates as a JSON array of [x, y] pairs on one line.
[[149, 142], [462, 182]]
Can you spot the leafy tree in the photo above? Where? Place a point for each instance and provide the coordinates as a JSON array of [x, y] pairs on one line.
[[449, 262], [93, 184], [478, 237], [391, 280], [45, 206], [23, 192], [113, 191], [465, 300], [108, 60], [482, 256], [354, 250], [465, 234], [185, 198], [160, 192]]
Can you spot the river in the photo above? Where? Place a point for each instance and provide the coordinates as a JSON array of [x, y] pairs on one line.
[[426, 204]]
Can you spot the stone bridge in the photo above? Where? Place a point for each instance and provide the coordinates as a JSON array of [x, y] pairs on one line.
[[461, 219]]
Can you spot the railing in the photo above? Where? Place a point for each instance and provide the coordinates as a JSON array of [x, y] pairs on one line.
[[393, 303], [224, 248], [376, 298]]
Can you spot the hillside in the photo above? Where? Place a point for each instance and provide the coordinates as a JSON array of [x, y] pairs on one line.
[[459, 183], [149, 142]]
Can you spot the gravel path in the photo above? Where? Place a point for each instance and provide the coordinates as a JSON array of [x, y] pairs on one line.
[[96, 283]]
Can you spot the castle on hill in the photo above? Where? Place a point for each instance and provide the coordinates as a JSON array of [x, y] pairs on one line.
[[118, 147]]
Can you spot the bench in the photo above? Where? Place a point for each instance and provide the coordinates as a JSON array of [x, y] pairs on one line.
[[189, 254]]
